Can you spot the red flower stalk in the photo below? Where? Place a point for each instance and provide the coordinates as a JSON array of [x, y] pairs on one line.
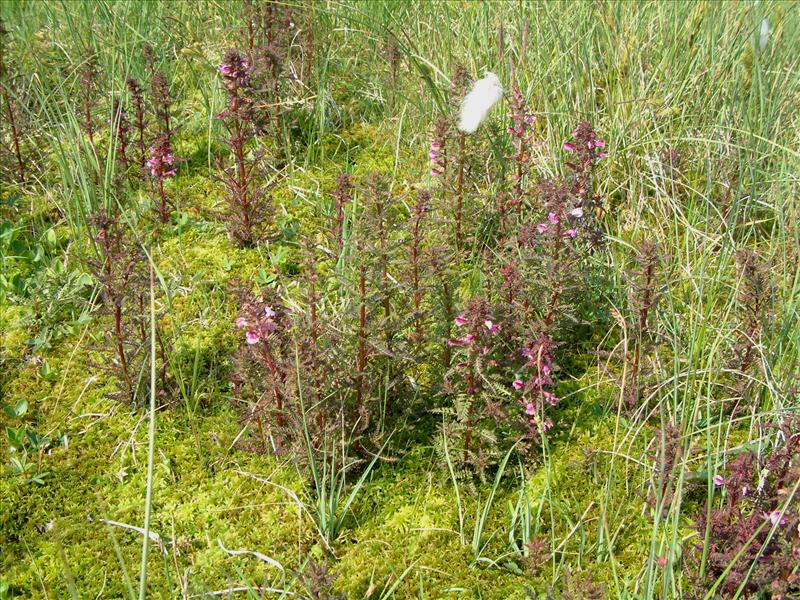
[[121, 128], [342, 197], [246, 202], [140, 122], [418, 213], [521, 130], [161, 167]]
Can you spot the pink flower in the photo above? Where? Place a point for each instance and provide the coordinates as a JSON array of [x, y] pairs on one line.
[[252, 337], [576, 212], [485, 350], [602, 154], [551, 398], [546, 370], [553, 218], [460, 320], [718, 480], [241, 322], [437, 164], [569, 147], [572, 232], [775, 517], [462, 341], [518, 384], [268, 312], [491, 326], [530, 409], [599, 143], [101, 235], [541, 227]]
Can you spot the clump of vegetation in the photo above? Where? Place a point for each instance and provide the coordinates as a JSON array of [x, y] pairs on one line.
[[754, 303], [264, 373], [118, 267], [644, 281], [748, 539]]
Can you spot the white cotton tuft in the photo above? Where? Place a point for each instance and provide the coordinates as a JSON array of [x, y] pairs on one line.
[[763, 38], [483, 95]]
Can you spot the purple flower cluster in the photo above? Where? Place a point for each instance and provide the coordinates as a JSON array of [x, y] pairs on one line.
[[161, 162], [588, 149], [235, 70], [466, 340], [521, 128], [438, 162], [564, 214], [535, 395], [480, 329], [260, 324], [586, 144]]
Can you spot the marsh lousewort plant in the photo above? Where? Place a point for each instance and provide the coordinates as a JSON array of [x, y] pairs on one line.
[[161, 166], [749, 539], [754, 306], [120, 126], [644, 294], [139, 116], [247, 203], [118, 267]]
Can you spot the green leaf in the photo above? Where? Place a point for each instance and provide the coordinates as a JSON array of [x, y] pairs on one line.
[[15, 412]]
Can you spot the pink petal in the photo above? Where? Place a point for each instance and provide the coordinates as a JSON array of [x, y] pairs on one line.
[[252, 337], [518, 384]]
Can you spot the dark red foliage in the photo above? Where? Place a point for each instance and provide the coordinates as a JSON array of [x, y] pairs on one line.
[[140, 120], [758, 521], [247, 202]]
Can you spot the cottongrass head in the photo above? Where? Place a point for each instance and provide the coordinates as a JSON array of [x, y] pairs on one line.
[[484, 94]]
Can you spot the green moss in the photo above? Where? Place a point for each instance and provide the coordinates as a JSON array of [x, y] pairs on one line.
[[13, 324]]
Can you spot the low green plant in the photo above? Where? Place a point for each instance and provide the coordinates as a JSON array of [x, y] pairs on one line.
[[27, 448]]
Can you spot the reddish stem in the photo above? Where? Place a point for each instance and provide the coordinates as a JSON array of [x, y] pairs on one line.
[[362, 339]]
